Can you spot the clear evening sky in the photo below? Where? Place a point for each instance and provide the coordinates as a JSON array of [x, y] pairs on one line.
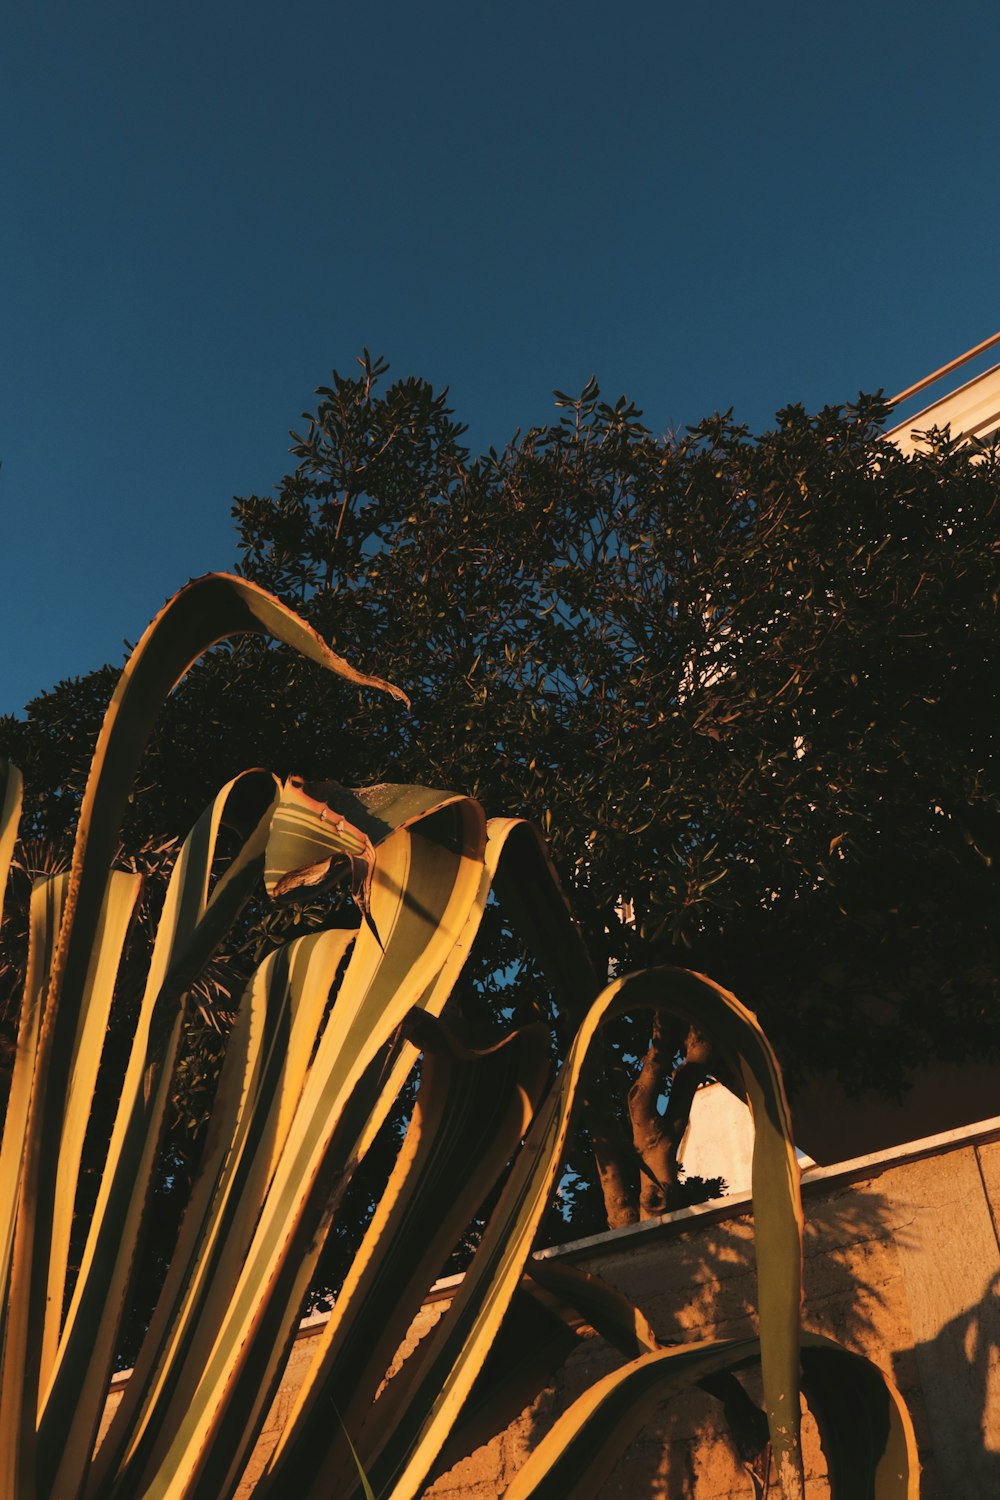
[[206, 207]]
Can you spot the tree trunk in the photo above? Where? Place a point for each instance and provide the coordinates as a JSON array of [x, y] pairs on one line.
[[617, 1167], [657, 1137]]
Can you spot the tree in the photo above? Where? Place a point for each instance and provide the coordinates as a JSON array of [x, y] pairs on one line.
[[328, 1030], [745, 685]]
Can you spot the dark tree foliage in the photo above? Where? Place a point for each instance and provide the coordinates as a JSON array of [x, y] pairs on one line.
[[745, 685]]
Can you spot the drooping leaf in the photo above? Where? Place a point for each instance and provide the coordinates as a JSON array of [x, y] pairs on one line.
[[469, 1116], [11, 793], [267, 1059], [460, 1342], [879, 1462], [192, 924], [426, 877], [211, 609], [865, 1429]]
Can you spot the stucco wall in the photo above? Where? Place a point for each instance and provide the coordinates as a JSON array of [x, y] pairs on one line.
[[902, 1263]]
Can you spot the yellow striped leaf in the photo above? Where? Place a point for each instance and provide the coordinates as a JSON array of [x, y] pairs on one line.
[[864, 1426], [266, 1063], [462, 1339], [211, 609], [192, 924], [472, 1109], [11, 792], [879, 1462], [109, 941], [426, 878], [48, 898]]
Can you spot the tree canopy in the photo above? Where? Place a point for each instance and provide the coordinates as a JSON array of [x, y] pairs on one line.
[[745, 685]]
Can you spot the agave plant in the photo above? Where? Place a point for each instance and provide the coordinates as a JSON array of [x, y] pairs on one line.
[[326, 1034]]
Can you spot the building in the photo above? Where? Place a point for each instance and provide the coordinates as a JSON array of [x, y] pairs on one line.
[[971, 410]]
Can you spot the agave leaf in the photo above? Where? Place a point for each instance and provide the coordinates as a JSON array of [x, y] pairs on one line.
[[534, 1341], [573, 1460], [48, 898], [426, 878], [266, 1062], [608, 1311], [471, 1111], [462, 1338], [878, 1463], [192, 924], [531, 895], [109, 941], [376, 811], [207, 611], [549, 1315], [11, 791], [864, 1426], [625, 1327], [325, 840], [321, 828], [514, 853]]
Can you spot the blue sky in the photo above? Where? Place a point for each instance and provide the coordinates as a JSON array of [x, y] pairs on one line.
[[206, 207]]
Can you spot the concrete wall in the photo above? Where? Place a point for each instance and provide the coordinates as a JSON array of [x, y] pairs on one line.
[[902, 1263]]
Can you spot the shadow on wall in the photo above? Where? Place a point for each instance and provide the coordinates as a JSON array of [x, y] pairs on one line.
[[960, 1369], [702, 1284]]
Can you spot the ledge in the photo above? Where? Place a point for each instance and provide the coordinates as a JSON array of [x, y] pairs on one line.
[[717, 1209]]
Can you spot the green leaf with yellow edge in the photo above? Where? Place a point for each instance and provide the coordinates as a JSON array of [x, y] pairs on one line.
[[209, 610], [616, 1319], [533, 1343], [193, 923], [865, 1429], [48, 898], [95, 1012], [512, 854], [532, 897], [426, 878], [608, 1311], [11, 793], [266, 1062], [575, 1457], [470, 1113], [461, 1340], [48, 902]]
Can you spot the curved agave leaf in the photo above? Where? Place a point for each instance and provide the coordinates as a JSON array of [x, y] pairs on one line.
[[109, 942], [864, 1426], [574, 1459], [471, 1111], [191, 927], [313, 838], [267, 1059], [532, 896], [608, 1311], [625, 1327], [511, 854], [460, 1342], [532, 1345], [207, 611], [48, 897], [555, 1306], [426, 878], [11, 792]]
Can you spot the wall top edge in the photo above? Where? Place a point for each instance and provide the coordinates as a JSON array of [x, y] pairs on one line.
[[715, 1211], [812, 1179]]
